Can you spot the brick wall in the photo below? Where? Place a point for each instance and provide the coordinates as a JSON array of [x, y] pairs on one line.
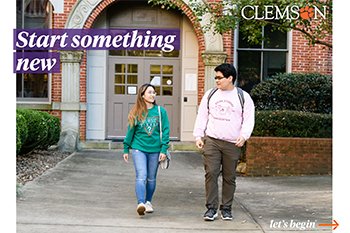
[[308, 58], [268, 156]]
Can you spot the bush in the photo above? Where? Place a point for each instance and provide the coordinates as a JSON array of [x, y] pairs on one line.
[[309, 92], [292, 124], [21, 131], [43, 130], [53, 125]]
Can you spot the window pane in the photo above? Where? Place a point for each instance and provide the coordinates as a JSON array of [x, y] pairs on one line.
[[117, 52], [243, 39], [119, 90], [119, 68], [119, 79], [274, 62], [167, 69], [19, 90], [135, 53], [132, 68], [35, 85], [153, 53], [155, 80], [157, 89], [249, 66], [167, 91], [155, 69], [174, 53], [132, 79], [35, 14], [276, 38], [167, 80]]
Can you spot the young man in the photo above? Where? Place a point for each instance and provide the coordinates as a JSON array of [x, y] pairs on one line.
[[225, 124]]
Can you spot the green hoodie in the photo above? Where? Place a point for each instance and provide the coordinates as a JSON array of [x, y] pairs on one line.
[[146, 136]]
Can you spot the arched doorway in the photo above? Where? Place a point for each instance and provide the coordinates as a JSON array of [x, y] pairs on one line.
[[130, 69]]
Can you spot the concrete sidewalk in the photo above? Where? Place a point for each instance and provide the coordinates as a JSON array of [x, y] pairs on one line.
[[93, 191]]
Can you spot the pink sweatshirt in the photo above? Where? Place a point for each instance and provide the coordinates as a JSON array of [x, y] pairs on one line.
[[224, 120]]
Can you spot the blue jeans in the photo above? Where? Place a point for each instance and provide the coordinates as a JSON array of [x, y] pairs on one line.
[[146, 167]]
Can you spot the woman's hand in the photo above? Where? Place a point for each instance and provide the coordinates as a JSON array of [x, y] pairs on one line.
[[162, 157], [126, 158]]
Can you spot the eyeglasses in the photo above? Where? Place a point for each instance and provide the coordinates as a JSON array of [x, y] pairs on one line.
[[152, 93], [218, 77]]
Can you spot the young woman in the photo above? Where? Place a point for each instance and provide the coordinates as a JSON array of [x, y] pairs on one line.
[[143, 137]]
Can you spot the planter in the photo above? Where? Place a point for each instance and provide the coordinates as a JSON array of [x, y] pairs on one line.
[[272, 156]]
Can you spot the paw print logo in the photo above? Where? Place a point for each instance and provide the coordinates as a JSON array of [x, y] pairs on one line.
[[306, 12]]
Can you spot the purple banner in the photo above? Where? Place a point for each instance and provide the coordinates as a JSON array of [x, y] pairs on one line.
[[166, 40], [36, 62]]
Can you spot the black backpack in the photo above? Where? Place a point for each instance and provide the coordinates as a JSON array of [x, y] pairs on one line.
[[240, 96]]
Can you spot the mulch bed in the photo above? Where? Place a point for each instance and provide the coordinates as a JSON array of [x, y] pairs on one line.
[[34, 164]]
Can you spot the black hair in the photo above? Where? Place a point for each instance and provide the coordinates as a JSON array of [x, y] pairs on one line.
[[227, 70], [145, 86]]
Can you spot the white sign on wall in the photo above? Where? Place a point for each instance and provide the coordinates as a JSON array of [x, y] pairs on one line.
[[191, 82]]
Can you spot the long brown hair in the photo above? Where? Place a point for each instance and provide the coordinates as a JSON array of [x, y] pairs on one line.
[[139, 111]]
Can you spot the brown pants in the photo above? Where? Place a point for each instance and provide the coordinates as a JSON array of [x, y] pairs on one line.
[[216, 153]]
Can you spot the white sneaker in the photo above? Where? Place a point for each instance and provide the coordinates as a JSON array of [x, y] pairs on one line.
[[141, 209], [149, 207]]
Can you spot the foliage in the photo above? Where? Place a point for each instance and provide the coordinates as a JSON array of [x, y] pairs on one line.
[[35, 129], [21, 131], [227, 14], [292, 124], [309, 92]]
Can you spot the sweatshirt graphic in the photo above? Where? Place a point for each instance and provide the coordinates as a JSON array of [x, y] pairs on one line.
[[224, 118], [145, 135], [149, 124]]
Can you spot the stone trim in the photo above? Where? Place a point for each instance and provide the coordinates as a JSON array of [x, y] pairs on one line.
[[71, 56], [214, 58]]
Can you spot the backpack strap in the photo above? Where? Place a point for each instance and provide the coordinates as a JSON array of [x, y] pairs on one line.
[[240, 97], [210, 95]]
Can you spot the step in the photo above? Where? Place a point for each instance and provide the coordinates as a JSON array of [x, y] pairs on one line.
[[110, 145]]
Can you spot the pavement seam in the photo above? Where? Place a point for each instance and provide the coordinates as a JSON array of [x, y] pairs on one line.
[[267, 193], [131, 226], [247, 212]]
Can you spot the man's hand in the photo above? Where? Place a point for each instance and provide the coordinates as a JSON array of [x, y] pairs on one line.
[[199, 143], [240, 141]]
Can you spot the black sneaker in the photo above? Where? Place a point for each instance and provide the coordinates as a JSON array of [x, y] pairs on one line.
[[226, 213], [210, 214]]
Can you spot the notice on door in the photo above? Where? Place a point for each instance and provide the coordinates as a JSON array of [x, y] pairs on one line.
[[132, 90], [191, 82]]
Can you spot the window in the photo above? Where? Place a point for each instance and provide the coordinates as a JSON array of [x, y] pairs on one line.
[[125, 79], [257, 62], [33, 14], [161, 76], [144, 53]]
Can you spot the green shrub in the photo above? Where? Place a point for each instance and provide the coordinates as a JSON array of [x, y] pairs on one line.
[[309, 92], [292, 124], [21, 131], [53, 129], [43, 130]]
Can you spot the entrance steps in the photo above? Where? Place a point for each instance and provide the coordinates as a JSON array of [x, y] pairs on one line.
[[110, 145]]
